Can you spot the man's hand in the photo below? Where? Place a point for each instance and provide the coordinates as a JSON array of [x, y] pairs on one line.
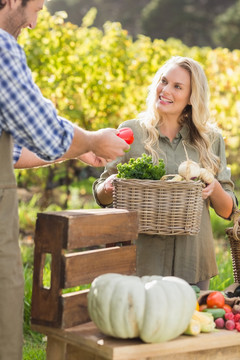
[[103, 143], [106, 144]]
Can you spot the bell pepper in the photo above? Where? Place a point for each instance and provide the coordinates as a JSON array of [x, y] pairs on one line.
[[126, 134]]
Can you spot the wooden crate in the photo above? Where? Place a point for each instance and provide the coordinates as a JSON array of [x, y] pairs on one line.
[[84, 244]]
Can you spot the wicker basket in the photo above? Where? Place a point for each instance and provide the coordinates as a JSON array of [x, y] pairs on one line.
[[165, 207], [234, 238]]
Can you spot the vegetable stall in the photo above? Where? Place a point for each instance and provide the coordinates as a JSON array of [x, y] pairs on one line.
[[118, 315], [84, 245]]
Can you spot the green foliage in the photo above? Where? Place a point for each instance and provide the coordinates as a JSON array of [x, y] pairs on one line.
[[141, 168], [28, 213], [219, 224], [190, 21], [223, 253], [99, 78], [227, 27], [183, 21], [224, 262]]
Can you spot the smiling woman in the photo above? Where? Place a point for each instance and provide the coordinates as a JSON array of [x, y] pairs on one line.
[[173, 94], [176, 122]]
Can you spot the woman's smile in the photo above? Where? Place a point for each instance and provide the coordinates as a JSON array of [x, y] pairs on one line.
[[164, 100]]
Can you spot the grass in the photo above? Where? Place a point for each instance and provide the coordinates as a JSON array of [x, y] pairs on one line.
[[223, 253], [34, 343], [34, 350], [224, 261]]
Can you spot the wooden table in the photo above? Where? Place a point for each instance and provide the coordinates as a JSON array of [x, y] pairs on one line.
[[86, 342]]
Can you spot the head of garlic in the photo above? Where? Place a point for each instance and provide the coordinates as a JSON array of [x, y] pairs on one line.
[[189, 170], [206, 176]]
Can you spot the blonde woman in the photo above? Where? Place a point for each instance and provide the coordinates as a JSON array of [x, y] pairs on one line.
[[177, 116]]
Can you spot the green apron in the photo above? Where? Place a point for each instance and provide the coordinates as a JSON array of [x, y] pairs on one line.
[[11, 272]]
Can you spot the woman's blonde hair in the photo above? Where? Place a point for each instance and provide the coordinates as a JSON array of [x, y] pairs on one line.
[[196, 115]]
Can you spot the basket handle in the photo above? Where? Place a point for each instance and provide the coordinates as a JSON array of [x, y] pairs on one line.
[[235, 217]]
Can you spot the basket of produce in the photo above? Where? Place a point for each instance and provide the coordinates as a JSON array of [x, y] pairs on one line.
[[167, 204], [233, 234]]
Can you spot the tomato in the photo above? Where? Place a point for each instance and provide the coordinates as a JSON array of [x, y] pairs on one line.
[[126, 134], [215, 299], [227, 308]]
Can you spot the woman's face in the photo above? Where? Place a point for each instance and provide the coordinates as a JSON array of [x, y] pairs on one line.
[[173, 91]]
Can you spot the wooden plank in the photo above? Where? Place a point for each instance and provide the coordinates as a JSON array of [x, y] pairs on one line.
[[84, 228], [56, 349], [45, 302], [74, 353], [87, 336], [82, 267], [74, 307], [102, 226], [227, 353], [51, 232]]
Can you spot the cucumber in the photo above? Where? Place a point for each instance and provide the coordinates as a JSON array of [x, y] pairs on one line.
[[216, 312]]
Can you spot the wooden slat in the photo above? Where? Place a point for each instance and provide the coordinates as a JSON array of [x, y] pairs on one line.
[[46, 308], [50, 233], [83, 228], [81, 268], [74, 307], [102, 226]]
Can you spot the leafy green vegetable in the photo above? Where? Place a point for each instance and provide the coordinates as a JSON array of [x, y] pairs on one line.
[[141, 168]]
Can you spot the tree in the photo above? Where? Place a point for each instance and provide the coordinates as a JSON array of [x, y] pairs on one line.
[[191, 21], [124, 11], [227, 28]]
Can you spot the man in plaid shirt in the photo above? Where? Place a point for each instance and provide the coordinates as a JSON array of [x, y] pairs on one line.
[[31, 134]]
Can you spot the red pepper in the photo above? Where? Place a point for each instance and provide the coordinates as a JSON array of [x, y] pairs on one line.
[[126, 134]]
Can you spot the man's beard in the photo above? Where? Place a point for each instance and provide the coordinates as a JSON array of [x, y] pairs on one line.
[[15, 22]]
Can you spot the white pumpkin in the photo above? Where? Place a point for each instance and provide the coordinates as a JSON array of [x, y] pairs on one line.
[[154, 308]]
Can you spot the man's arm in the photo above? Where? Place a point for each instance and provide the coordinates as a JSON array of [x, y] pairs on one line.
[[93, 148], [29, 160]]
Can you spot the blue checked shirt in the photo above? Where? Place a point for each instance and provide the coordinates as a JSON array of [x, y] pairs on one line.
[[24, 113]]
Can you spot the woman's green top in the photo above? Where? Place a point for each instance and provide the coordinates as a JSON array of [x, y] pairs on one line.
[[189, 257]]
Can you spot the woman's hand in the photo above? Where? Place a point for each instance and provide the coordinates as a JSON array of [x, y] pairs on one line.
[[108, 184], [220, 199], [209, 189]]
